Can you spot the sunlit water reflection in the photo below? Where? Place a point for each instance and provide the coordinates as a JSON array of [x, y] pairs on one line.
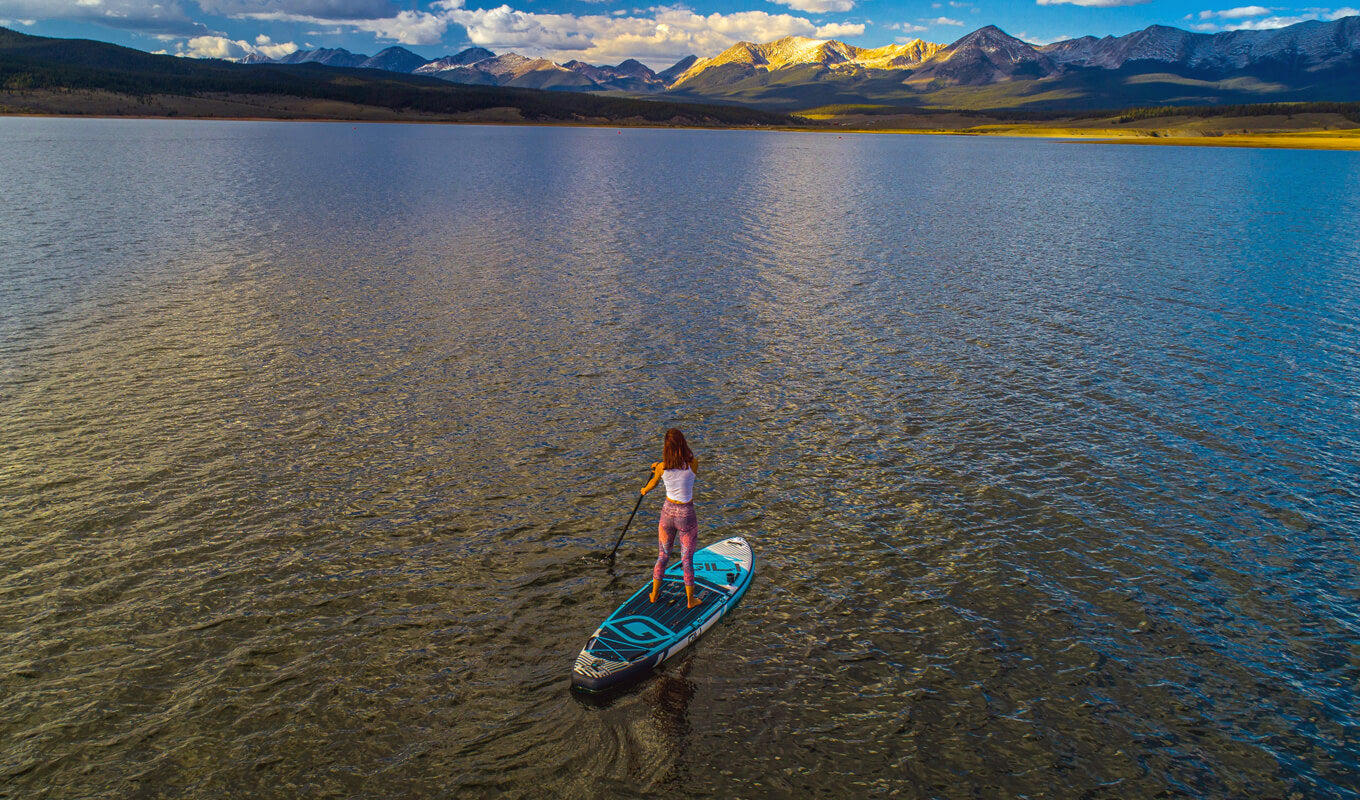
[[311, 431]]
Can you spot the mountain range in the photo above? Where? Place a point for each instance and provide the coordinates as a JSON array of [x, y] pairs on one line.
[[985, 69], [481, 67], [991, 69], [44, 75]]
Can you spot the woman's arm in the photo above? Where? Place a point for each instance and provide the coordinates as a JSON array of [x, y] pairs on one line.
[[657, 469], [694, 464]]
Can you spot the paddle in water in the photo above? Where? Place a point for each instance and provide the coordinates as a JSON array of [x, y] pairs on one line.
[[636, 506]]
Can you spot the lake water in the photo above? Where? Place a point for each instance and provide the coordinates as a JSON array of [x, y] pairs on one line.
[[313, 435]]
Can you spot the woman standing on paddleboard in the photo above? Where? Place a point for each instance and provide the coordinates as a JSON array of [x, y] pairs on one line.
[[677, 468]]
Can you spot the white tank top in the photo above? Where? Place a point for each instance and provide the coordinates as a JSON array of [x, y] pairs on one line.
[[679, 484]]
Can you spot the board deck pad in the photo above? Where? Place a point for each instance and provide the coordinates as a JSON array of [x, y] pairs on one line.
[[640, 634]]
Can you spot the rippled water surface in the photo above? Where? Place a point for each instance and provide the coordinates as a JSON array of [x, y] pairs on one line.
[[311, 437]]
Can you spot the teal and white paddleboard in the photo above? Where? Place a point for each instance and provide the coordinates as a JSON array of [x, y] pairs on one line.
[[640, 634]]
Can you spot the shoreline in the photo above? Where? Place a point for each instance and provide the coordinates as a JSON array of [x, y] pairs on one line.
[[1339, 140], [1345, 139]]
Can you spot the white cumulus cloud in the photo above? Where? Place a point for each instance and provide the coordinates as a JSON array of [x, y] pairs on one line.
[[268, 48], [837, 30], [1269, 23], [660, 35], [1242, 12], [505, 27], [818, 6], [1094, 3], [221, 47], [407, 27], [215, 47], [1251, 18], [941, 21]]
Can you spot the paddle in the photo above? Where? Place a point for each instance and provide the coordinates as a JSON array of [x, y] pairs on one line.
[[625, 527]]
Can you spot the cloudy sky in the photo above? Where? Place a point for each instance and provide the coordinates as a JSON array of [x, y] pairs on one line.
[[603, 31]]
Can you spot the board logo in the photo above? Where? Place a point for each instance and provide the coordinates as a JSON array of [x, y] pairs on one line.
[[640, 630]]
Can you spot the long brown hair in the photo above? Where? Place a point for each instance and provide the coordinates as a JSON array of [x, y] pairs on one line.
[[675, 454]]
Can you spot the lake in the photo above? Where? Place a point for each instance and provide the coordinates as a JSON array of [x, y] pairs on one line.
[[314, 436]]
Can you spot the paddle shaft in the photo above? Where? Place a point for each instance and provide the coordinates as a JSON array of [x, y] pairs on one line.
[[625, 526]]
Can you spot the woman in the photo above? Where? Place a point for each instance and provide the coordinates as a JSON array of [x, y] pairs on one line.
[[677, 468]]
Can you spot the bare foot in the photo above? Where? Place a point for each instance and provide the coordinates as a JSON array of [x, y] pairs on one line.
[[652, 596], [694, 601]]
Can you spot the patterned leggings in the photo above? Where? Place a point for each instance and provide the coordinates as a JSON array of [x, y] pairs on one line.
[[677, 518]]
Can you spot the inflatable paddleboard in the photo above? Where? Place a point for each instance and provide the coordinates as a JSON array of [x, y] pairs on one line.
[[640, 634]]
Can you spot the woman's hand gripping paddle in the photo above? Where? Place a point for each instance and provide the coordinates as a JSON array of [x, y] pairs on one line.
[[656, 476]]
